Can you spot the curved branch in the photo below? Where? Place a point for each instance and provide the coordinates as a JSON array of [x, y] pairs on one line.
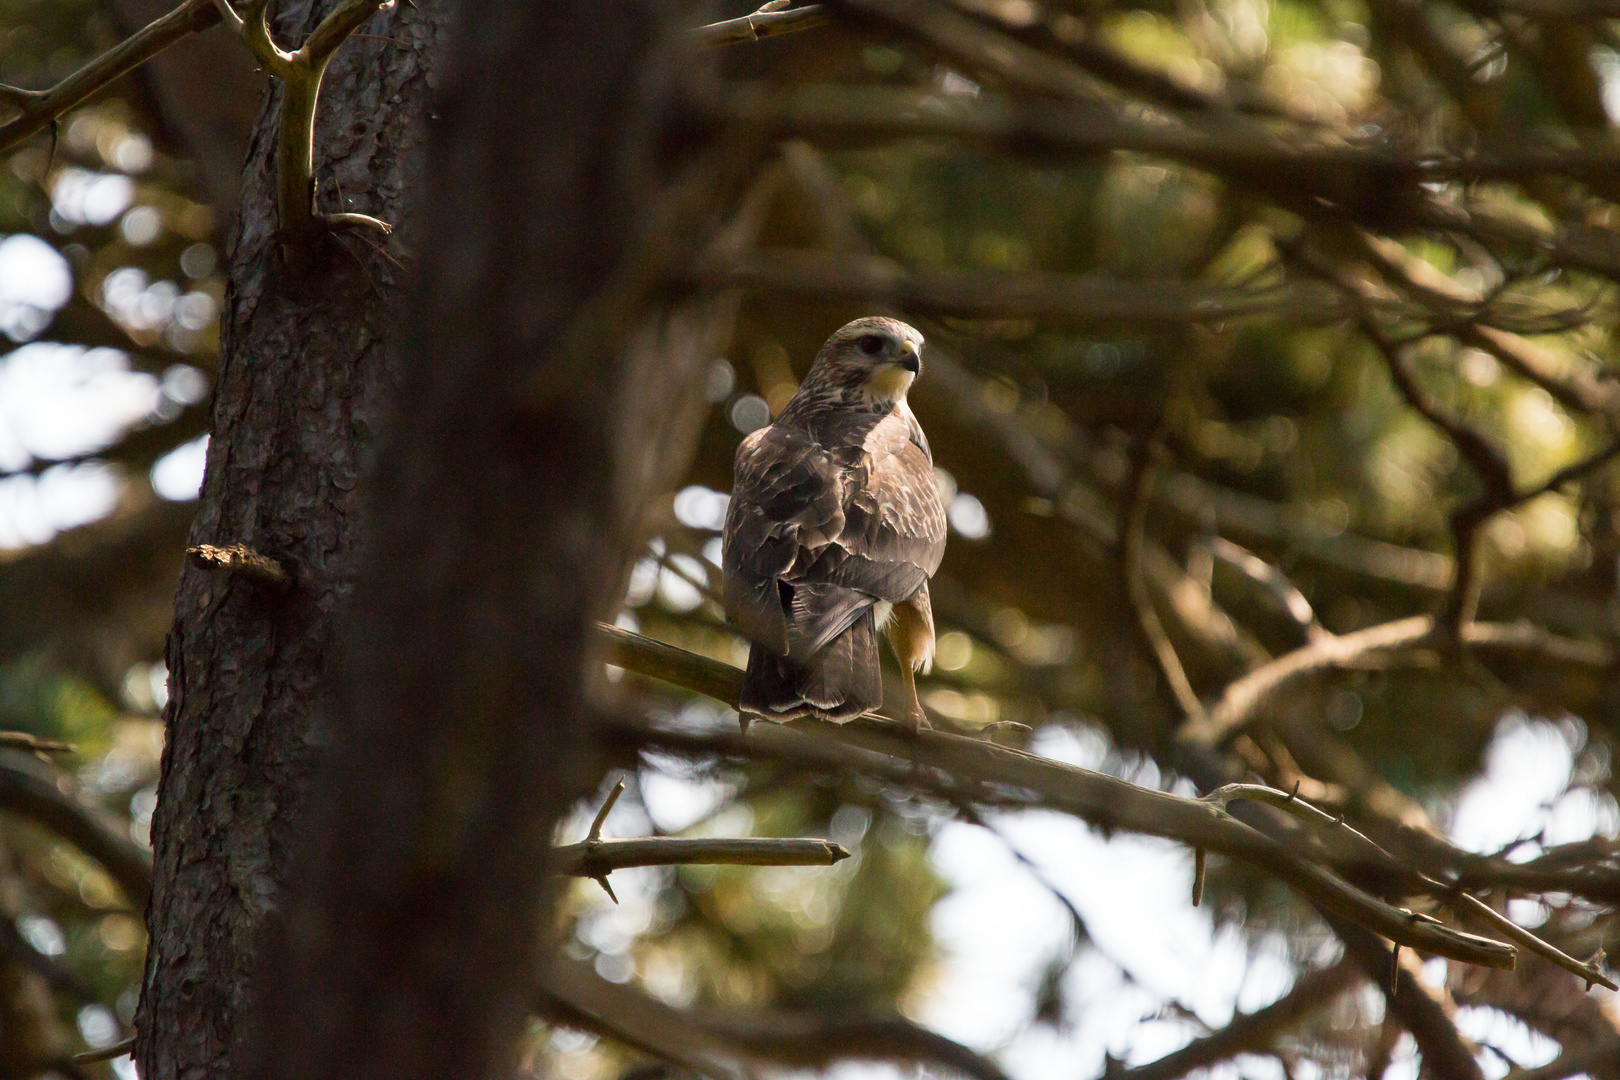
[[28, 790]]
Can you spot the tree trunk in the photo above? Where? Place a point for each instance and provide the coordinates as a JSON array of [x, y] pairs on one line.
[[501, 507], [302, 365]]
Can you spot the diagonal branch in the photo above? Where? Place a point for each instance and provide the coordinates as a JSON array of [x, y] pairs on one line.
[[40, 109], [769, 21], [1138, 489]]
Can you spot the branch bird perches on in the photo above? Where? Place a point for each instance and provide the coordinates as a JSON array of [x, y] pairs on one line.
[[965, 768]]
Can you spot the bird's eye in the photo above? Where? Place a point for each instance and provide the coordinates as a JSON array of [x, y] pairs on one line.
[[870, 344]]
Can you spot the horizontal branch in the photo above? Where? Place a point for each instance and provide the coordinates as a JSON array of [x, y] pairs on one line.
[[1292, 171], [22, 740], [1006, 294], [40, 109], [761, 24], [595, 858], [981, 771]]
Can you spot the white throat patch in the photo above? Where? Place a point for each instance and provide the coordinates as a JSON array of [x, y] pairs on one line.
[[887, 385]]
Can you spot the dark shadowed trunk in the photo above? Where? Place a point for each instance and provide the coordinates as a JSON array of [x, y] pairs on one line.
[[499, 511], [301, 369]]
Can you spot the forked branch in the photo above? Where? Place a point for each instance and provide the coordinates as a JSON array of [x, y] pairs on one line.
[[300, 72]]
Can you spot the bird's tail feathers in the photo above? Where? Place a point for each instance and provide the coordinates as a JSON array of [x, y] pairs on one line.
[[837, 683]]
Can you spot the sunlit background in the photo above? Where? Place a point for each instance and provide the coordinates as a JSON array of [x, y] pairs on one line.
[[1031, 937]]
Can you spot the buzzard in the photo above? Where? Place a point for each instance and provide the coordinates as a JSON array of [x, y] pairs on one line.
[[834, 529]]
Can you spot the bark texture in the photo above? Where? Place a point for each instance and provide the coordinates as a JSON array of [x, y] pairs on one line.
[[412, 947], [302, 368]]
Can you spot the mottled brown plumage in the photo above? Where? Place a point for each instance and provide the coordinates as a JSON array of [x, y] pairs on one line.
[[834, 529]]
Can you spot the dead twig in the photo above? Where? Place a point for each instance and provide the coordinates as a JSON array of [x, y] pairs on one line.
[[596, 858], [243, 561]]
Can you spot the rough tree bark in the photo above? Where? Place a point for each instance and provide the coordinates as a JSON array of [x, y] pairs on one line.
[[500, 508], [302, 366]]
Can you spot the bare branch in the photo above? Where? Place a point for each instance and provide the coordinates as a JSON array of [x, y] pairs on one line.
[[596, 858], [1000, 294], [981, 47], [1583, 391], [301, 72], [39, 110], [1138, 489], [768, 21], [106, 1053], [1465, 904], [1292, 172], [1274, 581], [1097, 798], [1243, 698], [22, 740], [332, 31], [594, 834]]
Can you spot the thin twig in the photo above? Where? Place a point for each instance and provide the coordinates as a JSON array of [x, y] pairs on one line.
[[22, 740], [595, 833], [1138, 488], [106, 1053], [595, 859]]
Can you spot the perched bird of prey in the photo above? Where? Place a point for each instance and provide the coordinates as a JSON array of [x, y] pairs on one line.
[[834, 529]]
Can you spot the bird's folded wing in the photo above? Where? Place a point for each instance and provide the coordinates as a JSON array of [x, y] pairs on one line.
[[810, 546], [788, 497]]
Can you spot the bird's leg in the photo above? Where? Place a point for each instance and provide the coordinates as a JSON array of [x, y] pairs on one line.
[[911, 710]]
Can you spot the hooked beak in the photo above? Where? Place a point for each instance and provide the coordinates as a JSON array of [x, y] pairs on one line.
[[910, 358]]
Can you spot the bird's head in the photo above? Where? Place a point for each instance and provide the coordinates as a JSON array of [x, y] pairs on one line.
[[873, 360]]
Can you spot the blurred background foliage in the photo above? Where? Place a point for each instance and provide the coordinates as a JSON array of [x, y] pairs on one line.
[[1283, 433]]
